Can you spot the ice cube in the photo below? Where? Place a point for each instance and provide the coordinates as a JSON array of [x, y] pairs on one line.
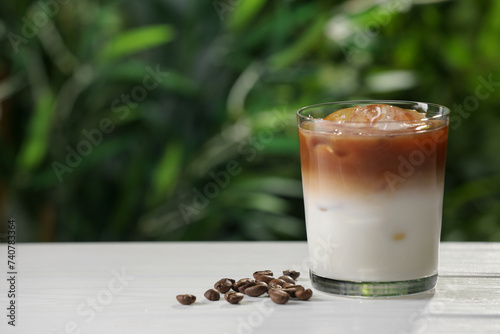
[[375, 113]]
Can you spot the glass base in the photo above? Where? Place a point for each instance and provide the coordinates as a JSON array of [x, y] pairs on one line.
[[372, 289]]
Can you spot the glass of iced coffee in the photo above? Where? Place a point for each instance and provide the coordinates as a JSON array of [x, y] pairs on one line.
[[373, 177]]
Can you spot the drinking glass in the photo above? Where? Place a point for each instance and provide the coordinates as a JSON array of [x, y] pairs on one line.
[[373, 195]]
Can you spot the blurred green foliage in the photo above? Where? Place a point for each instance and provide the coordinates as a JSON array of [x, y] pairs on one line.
[[175, 120]]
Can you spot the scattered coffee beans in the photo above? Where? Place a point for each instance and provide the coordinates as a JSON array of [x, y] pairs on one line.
[[212, 295], [186, 299], [257, 290], [279, 289], [292, 273], [279, 296], [224, 285], [303, 294], [233, 297]]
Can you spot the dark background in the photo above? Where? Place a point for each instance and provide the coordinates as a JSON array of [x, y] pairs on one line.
[[96, 148]]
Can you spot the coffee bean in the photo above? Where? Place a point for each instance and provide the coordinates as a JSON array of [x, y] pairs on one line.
[[212, 295], [292, 273], [224, 285], [264, 278], [241, 282], [186, 299], [262, 272], [279, 287], [287, 279], [246, 285], [276, 282], [233, 297], [292, 289], [257, 290], [229, 279], [304, 294], [279, 296]]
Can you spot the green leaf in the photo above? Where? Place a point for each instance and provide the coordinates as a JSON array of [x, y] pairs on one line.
[[35, 145], [304, 44], [179, 83], [167, 171], [137, 40], [134, 71], [244, 12]]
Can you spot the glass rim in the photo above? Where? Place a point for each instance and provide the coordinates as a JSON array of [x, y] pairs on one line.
[[445, 113]]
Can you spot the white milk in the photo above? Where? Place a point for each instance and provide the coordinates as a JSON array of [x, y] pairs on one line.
[[375, 237]]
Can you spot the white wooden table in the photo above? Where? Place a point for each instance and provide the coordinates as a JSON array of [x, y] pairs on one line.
[[131, 288]]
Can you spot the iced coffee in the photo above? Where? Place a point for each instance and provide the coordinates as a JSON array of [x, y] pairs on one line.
[[373, 175]]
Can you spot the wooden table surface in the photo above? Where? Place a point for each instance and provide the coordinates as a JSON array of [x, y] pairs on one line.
[[131, 288]]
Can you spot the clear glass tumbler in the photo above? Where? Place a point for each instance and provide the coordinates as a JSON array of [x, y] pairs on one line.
[[373, 195]]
